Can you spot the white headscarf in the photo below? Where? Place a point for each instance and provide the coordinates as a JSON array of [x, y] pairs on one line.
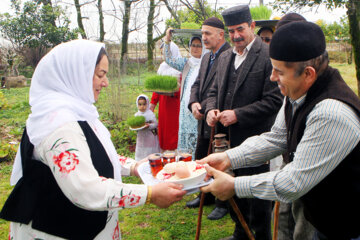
[[193, 61], [148, 114], [61, 92]]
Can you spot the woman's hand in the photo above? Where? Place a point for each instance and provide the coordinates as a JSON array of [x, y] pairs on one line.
[[136, 173], [164, 194], [168, 35], [152, 107]]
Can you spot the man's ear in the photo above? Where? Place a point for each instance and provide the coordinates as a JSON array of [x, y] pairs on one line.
[[310, 75]]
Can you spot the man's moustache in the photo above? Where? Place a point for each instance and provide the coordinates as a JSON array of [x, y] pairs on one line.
[[238, 39]]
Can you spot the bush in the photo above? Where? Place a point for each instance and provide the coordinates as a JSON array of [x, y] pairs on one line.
[[3, 102], [123, 138], [7, 151]]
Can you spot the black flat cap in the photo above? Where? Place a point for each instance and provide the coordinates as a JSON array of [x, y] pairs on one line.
[[290, 17], [236, 15], [214, 22], [297, 42]]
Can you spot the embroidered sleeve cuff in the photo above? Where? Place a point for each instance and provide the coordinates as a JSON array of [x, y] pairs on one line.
[[242, 187], [236, 158]]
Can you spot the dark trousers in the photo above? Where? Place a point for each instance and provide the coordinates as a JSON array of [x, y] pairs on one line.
[[257, 212], [201, 151]]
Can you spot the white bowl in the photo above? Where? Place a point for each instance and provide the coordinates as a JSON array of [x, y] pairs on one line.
[[196, 177]]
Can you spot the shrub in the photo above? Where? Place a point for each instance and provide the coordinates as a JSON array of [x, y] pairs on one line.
[[123, 138], [190, 25], [3, 102], [7, 151], [159, 83], [136, 121]]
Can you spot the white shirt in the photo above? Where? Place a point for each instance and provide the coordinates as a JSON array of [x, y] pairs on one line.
[[239, 58]]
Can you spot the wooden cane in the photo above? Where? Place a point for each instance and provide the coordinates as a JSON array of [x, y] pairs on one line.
[[202, 195], [241, 219], [276, 220]]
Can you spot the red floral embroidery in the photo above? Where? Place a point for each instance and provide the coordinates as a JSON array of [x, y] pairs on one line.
[[129, 200], [122, 159], [116, 234], [198, 167], [103, 178], [66, 161]]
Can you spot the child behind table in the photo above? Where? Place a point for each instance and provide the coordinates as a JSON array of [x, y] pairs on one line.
[[147, 141]]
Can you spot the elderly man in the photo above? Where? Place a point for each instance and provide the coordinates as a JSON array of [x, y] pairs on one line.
[[214, 40], [243, 102], [318, 129]]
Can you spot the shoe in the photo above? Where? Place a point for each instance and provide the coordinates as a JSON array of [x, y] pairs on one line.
[[196, 202], [193, 203], [217, 213]]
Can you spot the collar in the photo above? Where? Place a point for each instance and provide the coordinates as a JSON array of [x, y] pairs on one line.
[[213, 55], [298, 102], [246, 50]]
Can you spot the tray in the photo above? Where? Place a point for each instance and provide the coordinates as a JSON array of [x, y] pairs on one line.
[[137, 129], [148, 179]]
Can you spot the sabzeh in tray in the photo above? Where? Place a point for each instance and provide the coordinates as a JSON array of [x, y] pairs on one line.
[[161, 84], [136, 121]]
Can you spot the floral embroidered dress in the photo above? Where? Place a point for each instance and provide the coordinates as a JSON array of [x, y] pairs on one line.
[[67, 154], [187, 136]]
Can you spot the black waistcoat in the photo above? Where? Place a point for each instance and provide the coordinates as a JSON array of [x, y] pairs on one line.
[[333, 205], [37, 197]]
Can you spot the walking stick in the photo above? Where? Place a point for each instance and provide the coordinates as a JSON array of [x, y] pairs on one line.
[[202, 195], [276, 220], [241, 219]]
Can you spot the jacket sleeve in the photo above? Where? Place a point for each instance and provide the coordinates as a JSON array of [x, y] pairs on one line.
[[155, 98], [195, 92], [213, 93], [269, 104]]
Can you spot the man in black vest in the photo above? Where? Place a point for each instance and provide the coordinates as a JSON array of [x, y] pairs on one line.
[[318, 129], [214, 40], [246, 103]]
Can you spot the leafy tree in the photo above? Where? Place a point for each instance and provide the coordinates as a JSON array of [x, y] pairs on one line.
[[31, 29], [353, 14]]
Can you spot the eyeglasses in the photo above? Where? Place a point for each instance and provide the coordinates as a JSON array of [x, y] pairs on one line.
[[266, 39], [196, 45]]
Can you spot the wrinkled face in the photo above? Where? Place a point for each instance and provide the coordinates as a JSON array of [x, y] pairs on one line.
[[266, 36], [241, 35], [290, 84], [142, 105], [99, 79], [196, 48], [211, 37]]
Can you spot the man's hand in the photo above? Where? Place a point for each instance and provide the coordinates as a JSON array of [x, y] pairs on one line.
[[227, 117], [223, 186], [220, 161], [164, 194], [212, 117], [168, 35], [152, 107], [195, 109]]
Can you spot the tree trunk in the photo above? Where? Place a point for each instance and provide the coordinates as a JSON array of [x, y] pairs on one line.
[[101, 21], [353, 12], [125, 36], [79, 19], [48, 2], [150, 40]]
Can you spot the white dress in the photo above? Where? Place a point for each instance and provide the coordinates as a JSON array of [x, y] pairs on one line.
[[70, 161]]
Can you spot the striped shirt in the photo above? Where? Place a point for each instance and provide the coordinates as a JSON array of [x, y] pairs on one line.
[[332, 132]]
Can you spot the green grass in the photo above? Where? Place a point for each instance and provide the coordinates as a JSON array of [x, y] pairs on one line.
[[147, 222]]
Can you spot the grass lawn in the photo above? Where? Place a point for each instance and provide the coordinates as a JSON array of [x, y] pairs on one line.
[[148, 222]]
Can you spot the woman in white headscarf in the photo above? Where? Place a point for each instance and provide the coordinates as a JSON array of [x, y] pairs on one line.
[[189, 67], [67, 172]]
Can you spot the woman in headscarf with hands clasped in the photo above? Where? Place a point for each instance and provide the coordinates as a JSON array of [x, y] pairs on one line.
[[67, 172]]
